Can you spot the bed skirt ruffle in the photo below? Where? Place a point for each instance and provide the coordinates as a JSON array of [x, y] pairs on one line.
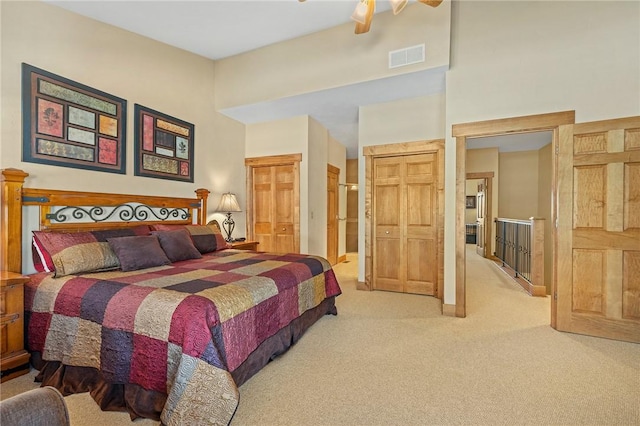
[[140, 402]]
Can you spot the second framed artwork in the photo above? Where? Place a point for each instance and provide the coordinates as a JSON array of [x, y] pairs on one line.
[[163, 145]]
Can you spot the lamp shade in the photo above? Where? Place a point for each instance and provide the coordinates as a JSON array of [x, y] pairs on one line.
[[360, 13], [398, 5], [432, 3], [228, 203]]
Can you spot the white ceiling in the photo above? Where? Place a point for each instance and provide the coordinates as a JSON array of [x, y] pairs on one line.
[[220, 28]]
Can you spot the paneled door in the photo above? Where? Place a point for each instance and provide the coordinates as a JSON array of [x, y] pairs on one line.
[[333, 199], [598, 235], [481, 213], [263, 209], [405, 255], [274, 203]]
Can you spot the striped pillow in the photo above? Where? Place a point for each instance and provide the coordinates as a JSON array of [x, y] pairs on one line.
[[78, 252]]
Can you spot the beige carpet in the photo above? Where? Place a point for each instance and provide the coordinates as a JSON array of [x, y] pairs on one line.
[[392, 359]]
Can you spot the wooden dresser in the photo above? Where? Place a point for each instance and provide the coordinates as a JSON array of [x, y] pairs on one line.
[[14, 359]]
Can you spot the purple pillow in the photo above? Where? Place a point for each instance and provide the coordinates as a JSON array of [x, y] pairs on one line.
[[177, 245], [206, 238], [138, 252]]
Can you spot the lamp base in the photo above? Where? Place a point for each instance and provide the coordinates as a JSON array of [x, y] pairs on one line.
[[228, 225]]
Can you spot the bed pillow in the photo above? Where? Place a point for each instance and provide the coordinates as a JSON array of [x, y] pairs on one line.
[[138, 252], [72, 253], [177, 245], [41, 259], [205, 238], [76, 252]]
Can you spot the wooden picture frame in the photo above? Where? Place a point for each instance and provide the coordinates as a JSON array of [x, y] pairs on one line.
[[69, 124], [470, 202], [163, 145]]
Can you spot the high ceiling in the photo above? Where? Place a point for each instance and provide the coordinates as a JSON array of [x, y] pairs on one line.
[[220, 28]]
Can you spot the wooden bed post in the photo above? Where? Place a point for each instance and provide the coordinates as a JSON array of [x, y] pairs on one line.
[[203, 195], [11, 219]]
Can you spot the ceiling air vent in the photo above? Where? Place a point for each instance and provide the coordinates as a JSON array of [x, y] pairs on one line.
[[406, 56]]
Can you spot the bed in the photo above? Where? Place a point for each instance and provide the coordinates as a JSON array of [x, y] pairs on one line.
[[169, 338]]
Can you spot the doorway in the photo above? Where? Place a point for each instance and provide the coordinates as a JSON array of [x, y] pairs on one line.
[[333, 200], [480, 186], [462, 132]]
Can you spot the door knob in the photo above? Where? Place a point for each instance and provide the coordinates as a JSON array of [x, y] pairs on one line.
[[284, 229]]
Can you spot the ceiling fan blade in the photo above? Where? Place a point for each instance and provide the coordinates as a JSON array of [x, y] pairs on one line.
[[432, 3], [362, 28]]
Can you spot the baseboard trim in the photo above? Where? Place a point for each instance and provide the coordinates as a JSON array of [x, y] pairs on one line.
[[533, 290], [448, 310], [362, 286], [342, 258]]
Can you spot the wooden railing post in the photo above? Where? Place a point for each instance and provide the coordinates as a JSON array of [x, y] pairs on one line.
[[11, 182], [537, 257]]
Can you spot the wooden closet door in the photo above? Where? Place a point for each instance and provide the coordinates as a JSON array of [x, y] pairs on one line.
[[420, 233], [598, 235], [283, 207], [388, 222], [263, 209], [405, 224], [273, 197], [333, 200]]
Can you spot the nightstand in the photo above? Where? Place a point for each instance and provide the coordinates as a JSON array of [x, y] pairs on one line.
[[14, 360], [245, 245]]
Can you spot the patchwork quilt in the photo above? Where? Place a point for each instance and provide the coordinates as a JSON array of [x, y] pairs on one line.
[[179, 329]]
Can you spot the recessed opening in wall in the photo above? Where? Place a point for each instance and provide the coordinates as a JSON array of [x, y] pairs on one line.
[[509, 177], [552, 122]]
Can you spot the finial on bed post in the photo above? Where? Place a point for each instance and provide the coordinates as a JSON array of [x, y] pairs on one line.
[[203, 195], [11, 219]]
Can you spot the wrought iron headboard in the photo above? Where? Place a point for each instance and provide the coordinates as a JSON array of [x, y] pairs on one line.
[[73, 211]]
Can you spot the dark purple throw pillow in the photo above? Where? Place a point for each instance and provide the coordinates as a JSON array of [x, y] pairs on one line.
[[138, 252], [177, 245]]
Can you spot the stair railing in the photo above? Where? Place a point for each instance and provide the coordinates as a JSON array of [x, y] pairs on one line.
[[520, 248]]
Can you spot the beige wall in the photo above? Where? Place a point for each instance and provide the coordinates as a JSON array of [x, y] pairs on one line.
[[518, 195], [118, 62], [526, 57], [352, 206], [470, 215], [333, 58], [317, 188], [227, 143], [132, 67]]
